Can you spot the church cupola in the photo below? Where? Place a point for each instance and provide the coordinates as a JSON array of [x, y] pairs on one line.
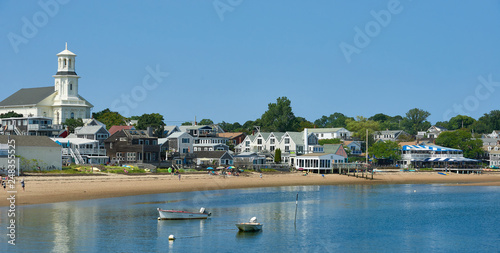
[[66, 79], [66, 62]]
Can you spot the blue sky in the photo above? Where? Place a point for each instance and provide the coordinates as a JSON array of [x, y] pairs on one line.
[[227, 59]]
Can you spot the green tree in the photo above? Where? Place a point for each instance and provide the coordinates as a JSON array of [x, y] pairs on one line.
[[488, 122], [187, 123], [329, 141], [110, 118], [385, 150], [359, 127], [154, 120], [334, 120], [416, 120], [206, 122], [463, 140], [277, 155], [303, 123], [10, 114], [72, 124], [459, 122], [279, 117]]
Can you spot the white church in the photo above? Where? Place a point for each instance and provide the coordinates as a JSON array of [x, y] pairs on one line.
[[58, 102]]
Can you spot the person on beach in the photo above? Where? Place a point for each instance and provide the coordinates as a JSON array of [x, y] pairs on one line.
[[4, 185], [22, 183], [260, 175], [179, 176]]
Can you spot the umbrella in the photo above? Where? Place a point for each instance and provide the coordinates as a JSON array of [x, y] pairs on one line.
[[220, 167], [210, 168], [231, 167], [301, 169]]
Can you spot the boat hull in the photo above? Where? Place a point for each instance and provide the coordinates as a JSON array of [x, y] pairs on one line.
[[180, 215], [249, 227]]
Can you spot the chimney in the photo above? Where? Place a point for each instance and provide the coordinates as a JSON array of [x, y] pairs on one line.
[[150, 131]]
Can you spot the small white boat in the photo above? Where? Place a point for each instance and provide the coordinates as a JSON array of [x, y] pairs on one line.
[[251, 226], [182, 215]]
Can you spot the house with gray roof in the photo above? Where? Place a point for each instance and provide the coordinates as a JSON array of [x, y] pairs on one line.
[[96, 132], [33, 152], [58, 102], [389, 135], [331, 133]]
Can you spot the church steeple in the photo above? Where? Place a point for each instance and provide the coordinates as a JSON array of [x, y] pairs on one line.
[[66, 79]]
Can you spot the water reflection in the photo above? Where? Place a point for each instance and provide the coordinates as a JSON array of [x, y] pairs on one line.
[[352, 218]]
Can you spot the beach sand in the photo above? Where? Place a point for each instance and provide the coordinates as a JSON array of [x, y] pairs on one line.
[[51, 189]]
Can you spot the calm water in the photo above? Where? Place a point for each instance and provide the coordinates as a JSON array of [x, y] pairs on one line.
[[381, 218]]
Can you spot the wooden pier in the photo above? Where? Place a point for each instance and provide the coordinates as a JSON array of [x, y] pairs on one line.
[[359, 170]]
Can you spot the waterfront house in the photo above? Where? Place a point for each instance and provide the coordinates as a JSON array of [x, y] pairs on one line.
[[213, 158], [33, 152], [133, 146], [427, 156], [317, 162], [82, 150], [354, 147], [35, 126], [92, 132]]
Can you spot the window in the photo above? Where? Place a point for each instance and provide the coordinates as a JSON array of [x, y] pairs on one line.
[[123, 138], [70, 86], [259, 141], [131, 156], [287, 140], [271, 141], [185, 140], [287, 148], [141, 142], [271, 148], [185, 150], [72, 115], [247, 143], [147, 142]]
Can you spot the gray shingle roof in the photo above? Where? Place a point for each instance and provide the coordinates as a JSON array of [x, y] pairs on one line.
[[30, 141], [88, 129], [28, 96]]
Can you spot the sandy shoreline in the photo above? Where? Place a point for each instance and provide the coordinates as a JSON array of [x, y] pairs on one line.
[[51, 189]]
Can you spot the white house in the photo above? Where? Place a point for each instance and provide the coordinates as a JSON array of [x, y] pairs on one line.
[[317, 162], [82, 150], [59, 102], [389, 135], [35, 151], [331, 133]]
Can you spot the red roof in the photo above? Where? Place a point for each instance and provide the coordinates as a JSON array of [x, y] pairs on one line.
[[115, 129]]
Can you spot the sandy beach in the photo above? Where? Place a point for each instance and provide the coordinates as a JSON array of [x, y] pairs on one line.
[[51, 189]]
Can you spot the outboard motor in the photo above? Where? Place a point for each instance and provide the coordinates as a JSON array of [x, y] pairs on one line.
[[253, 220], [202, 210]]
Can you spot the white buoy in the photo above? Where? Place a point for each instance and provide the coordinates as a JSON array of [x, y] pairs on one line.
[[171, 237], [414, 190]]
